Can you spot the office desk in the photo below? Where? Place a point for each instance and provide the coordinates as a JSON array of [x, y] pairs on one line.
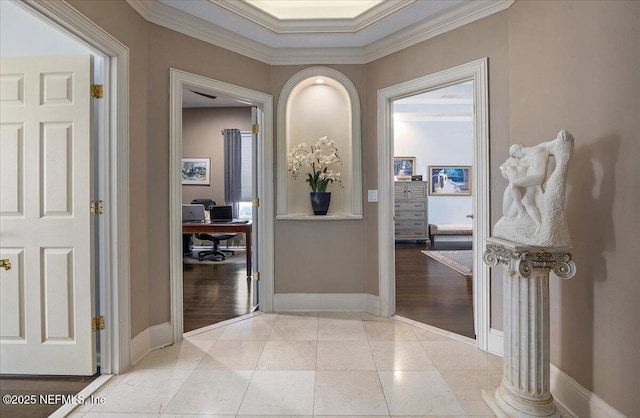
[[222, 228]]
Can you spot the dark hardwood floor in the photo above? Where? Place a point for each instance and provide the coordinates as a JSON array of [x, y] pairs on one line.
[[430, 292], [215, 292], [38, 389]]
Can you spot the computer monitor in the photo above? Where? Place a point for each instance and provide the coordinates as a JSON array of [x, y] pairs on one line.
[[221, 213], [192, 213]]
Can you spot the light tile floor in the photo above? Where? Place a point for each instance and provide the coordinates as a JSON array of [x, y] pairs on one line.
[[311, 364]]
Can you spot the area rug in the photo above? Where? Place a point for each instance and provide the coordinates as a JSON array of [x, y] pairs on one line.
[[459, 260]]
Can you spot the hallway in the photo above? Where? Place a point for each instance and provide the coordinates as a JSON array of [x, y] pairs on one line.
[[307, 364]]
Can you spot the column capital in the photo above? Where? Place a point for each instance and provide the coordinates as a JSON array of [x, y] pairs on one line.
[[522, 259]]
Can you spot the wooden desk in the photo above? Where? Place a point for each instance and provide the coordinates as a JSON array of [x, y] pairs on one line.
[[222, 228]]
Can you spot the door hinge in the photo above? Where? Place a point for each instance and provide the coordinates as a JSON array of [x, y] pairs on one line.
[[97, 91], [256, 276], [255, 202], [255, 128], [96, 207], [97, 323]]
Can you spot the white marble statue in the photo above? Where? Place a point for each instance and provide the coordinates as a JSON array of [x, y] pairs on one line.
[[533, 205]]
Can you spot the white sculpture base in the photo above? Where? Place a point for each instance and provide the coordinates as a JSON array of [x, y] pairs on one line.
[[524, 391]]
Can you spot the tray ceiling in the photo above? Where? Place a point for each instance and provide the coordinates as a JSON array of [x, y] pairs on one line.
[[315, 31]]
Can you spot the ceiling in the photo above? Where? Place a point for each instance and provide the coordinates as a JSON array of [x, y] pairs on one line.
[[285, 32]]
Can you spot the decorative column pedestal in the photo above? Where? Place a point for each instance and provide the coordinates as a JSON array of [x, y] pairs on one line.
[[525, 385]]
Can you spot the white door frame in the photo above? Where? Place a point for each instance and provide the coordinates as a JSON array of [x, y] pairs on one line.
[[265, 223], [114, 173], [476, 71]]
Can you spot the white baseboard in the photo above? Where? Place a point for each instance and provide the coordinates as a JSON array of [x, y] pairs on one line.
[[350, 302], [571, 395], [577, 399], [373, 304], [496, 342], [154, 337]]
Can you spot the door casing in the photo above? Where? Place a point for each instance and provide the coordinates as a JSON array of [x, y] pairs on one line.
[[477, 72], [265, 218], [113, 172]]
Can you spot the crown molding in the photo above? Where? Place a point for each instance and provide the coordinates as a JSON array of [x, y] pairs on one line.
[[170, 18], [303, 26], [445, 22]]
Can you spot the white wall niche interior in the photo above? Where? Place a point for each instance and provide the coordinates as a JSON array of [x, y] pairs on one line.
[[308, 110]]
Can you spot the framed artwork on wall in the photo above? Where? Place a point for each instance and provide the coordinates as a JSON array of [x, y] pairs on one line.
[[196, 171], [450, 180], [404, 167]]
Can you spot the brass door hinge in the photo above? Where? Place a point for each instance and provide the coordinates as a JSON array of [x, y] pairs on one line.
[[256, 276], [5, 263], [97, 91], [97, 323], [255, 128], [255, 202], [96, 207]]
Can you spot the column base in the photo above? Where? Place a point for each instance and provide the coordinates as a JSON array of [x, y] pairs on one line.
[[523, 409]]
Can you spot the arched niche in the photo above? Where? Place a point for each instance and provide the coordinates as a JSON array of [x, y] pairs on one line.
[[319, 102]]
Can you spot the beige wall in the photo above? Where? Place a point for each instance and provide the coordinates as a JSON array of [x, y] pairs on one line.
[[202, 138], [576, 65], [552, 65]]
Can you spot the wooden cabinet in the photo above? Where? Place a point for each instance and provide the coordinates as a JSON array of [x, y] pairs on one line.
[[411, 210]]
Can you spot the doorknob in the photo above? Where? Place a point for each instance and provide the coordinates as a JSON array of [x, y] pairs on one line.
[[5, 264], [470, 216]]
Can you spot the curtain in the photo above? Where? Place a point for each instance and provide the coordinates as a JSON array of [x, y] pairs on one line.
[[232, 168]]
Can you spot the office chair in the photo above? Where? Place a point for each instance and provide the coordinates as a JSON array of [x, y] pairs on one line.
[[217, 252]]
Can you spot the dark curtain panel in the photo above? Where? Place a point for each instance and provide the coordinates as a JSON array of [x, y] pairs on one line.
[[232, 168]]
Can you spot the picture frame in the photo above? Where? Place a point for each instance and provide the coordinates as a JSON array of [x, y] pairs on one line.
[[404, 167], [449, 180], [196, 171]]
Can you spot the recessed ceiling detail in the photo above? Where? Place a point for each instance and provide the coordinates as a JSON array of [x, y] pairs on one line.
[[314, 9], [313, 16], [382, 29]]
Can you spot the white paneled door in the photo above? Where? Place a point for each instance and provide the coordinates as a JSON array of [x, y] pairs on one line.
[[46, 298]]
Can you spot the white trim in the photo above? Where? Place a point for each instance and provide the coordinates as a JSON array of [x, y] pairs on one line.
[[150, 339], [373, 304], [317, 218], [356, 140], [302, 26], [115, 244], [569, 394], [495, 344], [476, 71], [303, 302], [464, 14], [221, 324], [163, 15], [265, 222], [436, 330], [84, 394], [577, 399]]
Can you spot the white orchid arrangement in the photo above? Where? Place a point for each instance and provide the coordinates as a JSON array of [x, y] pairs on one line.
[[321, 155]]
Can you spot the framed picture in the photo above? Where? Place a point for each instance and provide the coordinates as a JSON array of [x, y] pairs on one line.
[[450, 180], [404, 167], [196, 171]]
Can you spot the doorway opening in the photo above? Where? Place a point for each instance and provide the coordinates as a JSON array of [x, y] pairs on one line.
[[217, 137], [258, 234], [434, 267], [475, 72]]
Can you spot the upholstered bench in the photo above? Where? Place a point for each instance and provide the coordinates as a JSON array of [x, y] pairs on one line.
[[451, 231]]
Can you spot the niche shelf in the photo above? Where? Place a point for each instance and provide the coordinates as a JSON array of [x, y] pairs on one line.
[[317, 102]]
